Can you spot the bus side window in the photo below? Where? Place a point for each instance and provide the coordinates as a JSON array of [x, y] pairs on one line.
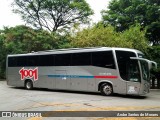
[[63, 60], [17, 61], [32, 60], [22, 61], [12, 61], [46, 60], [81, 59], [103, 59]]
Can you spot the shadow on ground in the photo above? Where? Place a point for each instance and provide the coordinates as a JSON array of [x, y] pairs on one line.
[[80, 92]]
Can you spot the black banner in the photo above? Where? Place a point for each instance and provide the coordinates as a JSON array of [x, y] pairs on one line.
[[79, 114]]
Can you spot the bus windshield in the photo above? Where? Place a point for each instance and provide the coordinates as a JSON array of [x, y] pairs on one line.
[[133, 71], [128, 69], [145, 70]]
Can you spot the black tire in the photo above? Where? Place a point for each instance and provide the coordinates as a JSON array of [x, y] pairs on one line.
[[29, 85], [106, 89]]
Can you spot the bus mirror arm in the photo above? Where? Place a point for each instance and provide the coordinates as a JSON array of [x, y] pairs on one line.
[[151, 63]]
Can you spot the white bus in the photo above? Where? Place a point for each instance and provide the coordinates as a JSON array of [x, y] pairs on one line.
[[106, 70]]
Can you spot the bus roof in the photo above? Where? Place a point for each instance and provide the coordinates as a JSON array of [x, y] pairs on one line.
[[76, 50]]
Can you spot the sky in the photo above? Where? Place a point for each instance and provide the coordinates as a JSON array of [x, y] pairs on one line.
[[10, 19]]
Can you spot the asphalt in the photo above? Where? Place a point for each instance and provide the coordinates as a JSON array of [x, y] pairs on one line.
[[18, 99]]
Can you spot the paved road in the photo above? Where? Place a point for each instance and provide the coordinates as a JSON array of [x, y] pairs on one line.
[[19, 99]]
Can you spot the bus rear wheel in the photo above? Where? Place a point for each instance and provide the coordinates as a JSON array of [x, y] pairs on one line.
[[29, 85], [106, 89]]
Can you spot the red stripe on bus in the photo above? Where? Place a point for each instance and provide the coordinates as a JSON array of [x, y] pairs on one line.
[[112, 77]]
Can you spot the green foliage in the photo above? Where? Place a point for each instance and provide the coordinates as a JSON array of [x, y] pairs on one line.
[[2, 56], [95, 36], [100, 35], [135, 37], [22, 39], [63, 42], [153, 33], [53, 14], [124, 13], [154, 54]]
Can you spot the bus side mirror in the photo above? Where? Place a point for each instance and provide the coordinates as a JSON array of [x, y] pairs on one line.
[[152, 64]]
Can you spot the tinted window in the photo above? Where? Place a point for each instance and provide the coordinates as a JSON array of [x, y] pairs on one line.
[[123, 59], [133, 73], [103, 59], [63, 60], [21, 61], [12, 61], [81, 59], [32, 61], [17, 61], [46, 60]]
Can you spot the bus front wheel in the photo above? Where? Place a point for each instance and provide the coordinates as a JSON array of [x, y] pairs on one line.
[[106, 89], [28, 85]]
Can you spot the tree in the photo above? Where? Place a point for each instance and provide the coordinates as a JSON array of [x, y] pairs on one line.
[[124, 13], [100, 35], [153, 33], [23, 39], [2, 56], [154, 54], [53, 14], [136, 37]]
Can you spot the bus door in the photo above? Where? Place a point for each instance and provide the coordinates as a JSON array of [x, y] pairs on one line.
[[134, 78], [61, 79]]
